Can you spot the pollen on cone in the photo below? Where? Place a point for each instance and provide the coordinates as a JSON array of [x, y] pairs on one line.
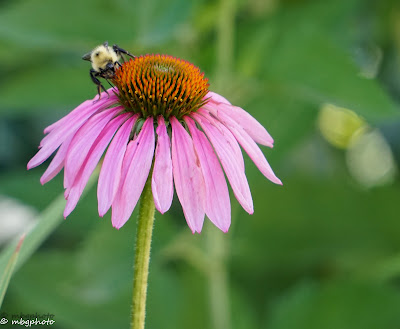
[[161, 85]]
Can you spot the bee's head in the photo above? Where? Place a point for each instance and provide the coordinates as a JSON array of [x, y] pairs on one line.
[[110, 66], [96, 52]]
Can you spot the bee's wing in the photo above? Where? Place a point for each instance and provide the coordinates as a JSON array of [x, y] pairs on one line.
[[86, 57]]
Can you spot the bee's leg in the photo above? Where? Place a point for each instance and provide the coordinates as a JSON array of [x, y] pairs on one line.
[[122, 51], [97, 82], [109, 83], [99, 87]]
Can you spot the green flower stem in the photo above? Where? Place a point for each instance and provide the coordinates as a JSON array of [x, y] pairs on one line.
[[142, 256], [218, 279]]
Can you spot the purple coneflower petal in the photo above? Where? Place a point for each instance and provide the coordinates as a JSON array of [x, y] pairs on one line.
[[83, 141], [217, 203], [62, 131], [135, 170], [91, 161], [162, 182], [85, 109], [248, 145], [227, 135], [57, 163], [189, 182], [75, 120], [226, 146], [244, 119], [111, 169]]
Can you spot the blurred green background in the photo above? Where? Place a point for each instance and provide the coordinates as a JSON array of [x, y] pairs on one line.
[[323, 251]]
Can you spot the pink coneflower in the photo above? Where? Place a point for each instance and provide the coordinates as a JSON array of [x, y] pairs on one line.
[[162, 117]]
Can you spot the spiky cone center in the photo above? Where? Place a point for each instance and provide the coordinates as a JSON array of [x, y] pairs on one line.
[[161, 85]]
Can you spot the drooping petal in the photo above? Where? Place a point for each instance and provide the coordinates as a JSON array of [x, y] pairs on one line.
[[91, 161], [256, 131], [111, 169], [225, 146], [162, 182], [135, 170], [217, 204], [62, 131], [249, 146], [57, 163], [83, 141], [189, 182], [227, 135], [87, 107]]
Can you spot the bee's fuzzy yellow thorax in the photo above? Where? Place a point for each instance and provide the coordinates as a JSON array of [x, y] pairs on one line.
[[102, 55]]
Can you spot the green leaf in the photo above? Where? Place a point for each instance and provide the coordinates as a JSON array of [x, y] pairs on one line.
[[5, 278], [47, 222], [322, 72]]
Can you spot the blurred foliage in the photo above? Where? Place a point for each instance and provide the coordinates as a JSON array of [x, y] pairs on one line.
[[320, 252]]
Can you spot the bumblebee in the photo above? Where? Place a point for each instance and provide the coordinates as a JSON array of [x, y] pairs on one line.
[[105, 60]]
